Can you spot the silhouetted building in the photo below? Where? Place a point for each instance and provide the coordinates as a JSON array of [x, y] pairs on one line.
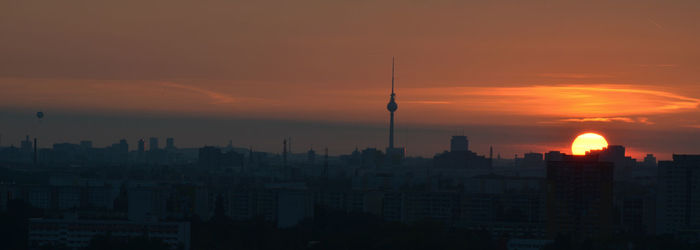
[[371, 157], [142, 146], [649, 161], [152, 144], [26, 145], [460, 157], [311, 156], [170, 143], [553, 156], [459, 143], [579, 197], [209, 157], [120, 152], [463, 160], [678, 203], [624, 165]]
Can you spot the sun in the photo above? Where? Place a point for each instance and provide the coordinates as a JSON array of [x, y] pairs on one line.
[[587, 142]]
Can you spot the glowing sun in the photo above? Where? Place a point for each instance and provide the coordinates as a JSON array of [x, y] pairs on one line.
[[587, 142]]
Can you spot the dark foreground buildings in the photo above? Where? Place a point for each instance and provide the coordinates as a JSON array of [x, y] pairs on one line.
[[579, 197], [77, 192], [678, 198]]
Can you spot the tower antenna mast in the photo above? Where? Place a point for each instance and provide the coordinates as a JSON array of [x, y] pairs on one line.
[[392, 107]]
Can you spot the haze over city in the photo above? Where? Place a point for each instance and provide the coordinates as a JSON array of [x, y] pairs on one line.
[[518, 76]]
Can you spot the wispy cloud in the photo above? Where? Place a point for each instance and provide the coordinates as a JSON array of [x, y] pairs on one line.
[[600, 119], [659, 65], [657, 25], [641, 120], [592, 102], [427, 102], [216, 97], [573, 75]]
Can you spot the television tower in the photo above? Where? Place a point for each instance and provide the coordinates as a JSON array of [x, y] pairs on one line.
[[392, 107]]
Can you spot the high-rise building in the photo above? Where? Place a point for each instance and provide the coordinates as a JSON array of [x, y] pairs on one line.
[[650, 160], [579, 197], [142, 146], [678, 200], [170, 143], [624, 165], [553, 156], [459, 143], [26, 145], [311, 156], [153, 144]]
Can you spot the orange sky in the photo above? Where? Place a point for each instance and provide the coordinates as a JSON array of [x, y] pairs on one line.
[[593, 65]]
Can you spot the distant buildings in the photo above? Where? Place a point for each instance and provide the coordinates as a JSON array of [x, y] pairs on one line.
[[26, 145], [209, 157], [170, 143], [460, 157], [142, 146], [152, 144], [213, 158]]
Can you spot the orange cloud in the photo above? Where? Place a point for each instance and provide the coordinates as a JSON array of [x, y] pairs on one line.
[[589, 101], [445, 105], [573, 75], [217, 98], [642, 120]]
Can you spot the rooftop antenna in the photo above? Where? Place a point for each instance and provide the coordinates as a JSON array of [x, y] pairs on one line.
[[392, 75], [325, 164], [284, 152]]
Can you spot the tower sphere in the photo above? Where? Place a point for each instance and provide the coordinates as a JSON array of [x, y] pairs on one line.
[[392, 106]]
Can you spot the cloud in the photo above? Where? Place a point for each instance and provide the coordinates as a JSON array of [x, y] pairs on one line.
[[428, 102], [582, 101], [217, 98], [642, 120], [657, 25], [573, 75], [660, 65], [600, 119]]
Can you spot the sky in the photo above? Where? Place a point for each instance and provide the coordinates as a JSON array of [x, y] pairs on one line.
[[521, 76]]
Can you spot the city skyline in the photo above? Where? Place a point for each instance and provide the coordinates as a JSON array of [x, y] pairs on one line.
[[178, 124]]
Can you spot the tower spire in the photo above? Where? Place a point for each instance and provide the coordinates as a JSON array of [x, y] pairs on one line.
[[392, 76]]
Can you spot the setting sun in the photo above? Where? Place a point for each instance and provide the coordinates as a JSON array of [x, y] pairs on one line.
[[587, 142]]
